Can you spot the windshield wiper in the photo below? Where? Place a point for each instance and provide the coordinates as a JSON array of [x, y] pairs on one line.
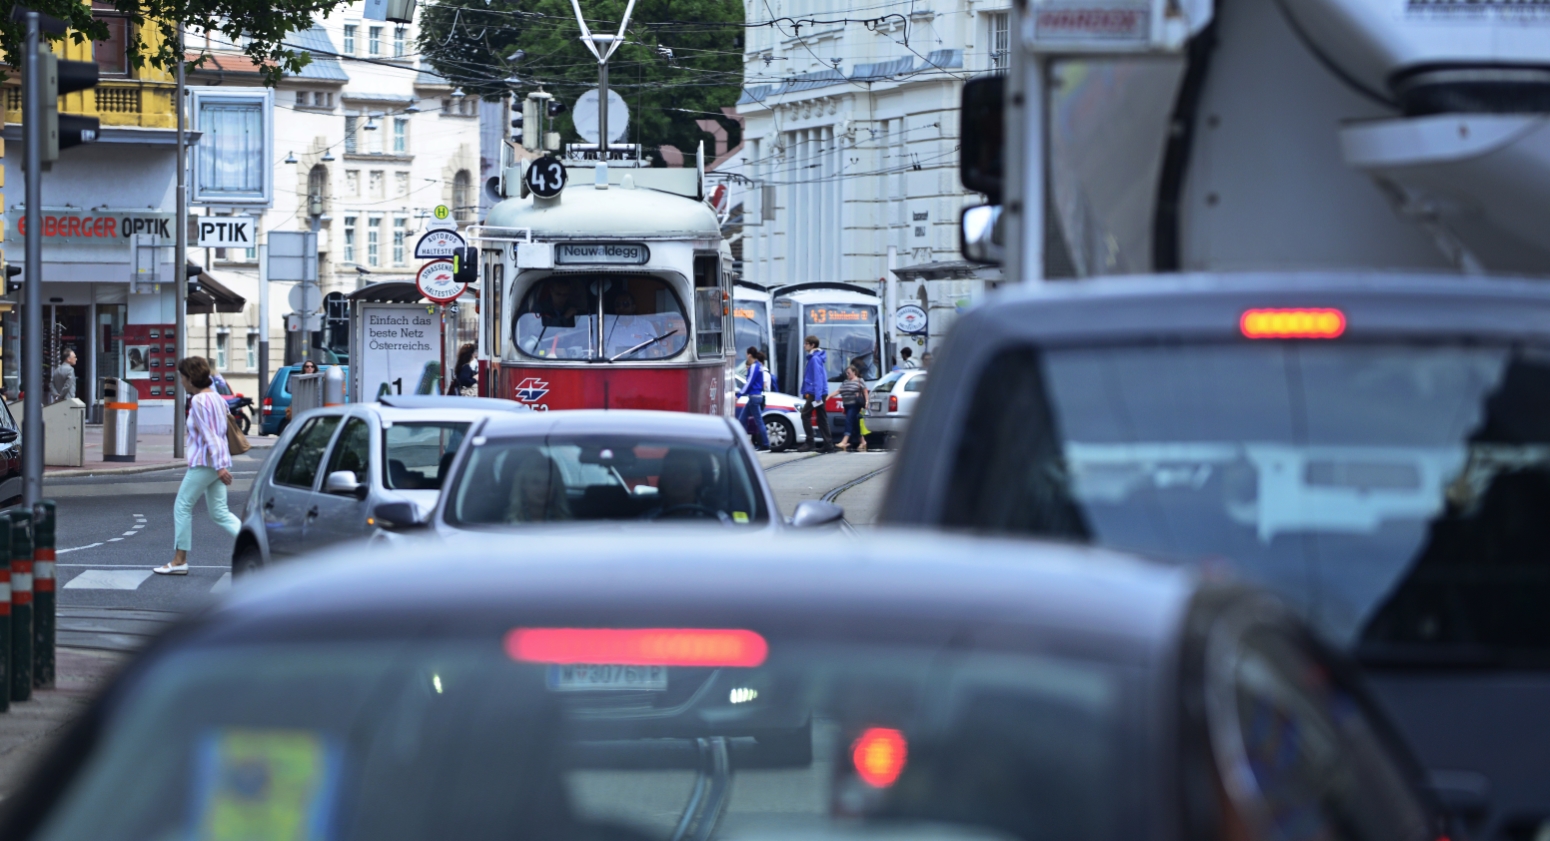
[[643, 345]]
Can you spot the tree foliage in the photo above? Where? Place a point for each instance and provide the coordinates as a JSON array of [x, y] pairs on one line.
[[682, 60], [259, 27]]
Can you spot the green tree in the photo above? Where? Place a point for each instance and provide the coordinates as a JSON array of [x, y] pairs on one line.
[[259, 26], [681, 62]]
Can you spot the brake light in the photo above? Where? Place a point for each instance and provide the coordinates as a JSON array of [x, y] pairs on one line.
[[638, 646], [879, 754], [268, 404], [1325, 323], [893, 402]]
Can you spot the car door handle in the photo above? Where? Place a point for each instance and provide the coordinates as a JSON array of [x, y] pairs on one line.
[[312, 513], [269, 504]]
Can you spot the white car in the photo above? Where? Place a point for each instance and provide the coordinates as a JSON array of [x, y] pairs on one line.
[[333, 466], [782, 416], [892, 401]]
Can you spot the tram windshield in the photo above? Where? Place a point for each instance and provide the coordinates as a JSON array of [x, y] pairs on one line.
[[751, 325], [554, 480], [847, 333], [614, 317]]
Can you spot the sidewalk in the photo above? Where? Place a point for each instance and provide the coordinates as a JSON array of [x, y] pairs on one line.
[[27, 731], [152, 452]]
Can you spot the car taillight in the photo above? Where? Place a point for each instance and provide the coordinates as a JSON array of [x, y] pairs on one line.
[[703, 647], [879, 755], [1322, 323], [268, 404], [893, 402]]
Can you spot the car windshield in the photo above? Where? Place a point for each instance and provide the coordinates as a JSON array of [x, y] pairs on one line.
[[500, 736], [1395, 492], [616, 317], [751, 325], [847, 333], [885, 385], [417, 454], [609, 477]]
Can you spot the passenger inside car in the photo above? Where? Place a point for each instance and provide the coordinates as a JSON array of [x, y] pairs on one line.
[[537, 491]]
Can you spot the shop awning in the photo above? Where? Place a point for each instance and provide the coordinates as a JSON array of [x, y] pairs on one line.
[[211, 296], [388, 292]]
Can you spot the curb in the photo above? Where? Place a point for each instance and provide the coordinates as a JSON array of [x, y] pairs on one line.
[[71, 472]]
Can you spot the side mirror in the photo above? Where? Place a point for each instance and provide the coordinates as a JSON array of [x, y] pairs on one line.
[[812, 513], [397, 516], [342, 483], [9, 436], [979, 234], [981, 150]]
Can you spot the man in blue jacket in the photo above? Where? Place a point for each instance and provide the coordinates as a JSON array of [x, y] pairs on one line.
[[753, 411], [815, 387]]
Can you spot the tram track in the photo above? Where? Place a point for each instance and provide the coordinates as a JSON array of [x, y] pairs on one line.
[[834, 493]]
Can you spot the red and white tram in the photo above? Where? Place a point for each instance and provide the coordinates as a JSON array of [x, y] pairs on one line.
[[613, 297]]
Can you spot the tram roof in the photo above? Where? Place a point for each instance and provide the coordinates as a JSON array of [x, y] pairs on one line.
[[819, 291], [583, 211]]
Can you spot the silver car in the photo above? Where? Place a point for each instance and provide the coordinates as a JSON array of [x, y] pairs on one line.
[[613, 469], [333, 466], [893, 401]]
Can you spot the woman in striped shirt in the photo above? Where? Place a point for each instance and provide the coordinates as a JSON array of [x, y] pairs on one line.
[[209, 463]]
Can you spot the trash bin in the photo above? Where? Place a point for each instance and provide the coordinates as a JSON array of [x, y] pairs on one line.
[[120, 418]]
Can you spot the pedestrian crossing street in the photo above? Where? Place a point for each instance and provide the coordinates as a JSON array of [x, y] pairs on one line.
[[88, 577]]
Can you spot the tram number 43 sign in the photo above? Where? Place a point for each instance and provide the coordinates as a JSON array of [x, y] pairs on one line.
[[437, 282], [546, 177]]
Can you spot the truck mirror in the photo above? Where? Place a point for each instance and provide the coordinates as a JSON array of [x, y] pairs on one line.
[[982, 148], [979, 232]]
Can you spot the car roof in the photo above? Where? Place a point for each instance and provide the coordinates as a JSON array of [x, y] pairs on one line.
[[610, 422], [1109, 604], [407, 415], [1375, 304]]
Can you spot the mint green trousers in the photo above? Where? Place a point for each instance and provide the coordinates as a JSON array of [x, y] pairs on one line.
[[199, 481]]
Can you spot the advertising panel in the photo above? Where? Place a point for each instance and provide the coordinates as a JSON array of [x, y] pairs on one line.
[[395, 350]]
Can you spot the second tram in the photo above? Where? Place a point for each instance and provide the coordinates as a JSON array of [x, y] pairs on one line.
[[845, 317], [611, 297]]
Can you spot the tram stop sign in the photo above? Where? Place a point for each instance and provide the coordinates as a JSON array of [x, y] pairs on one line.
[[438, 244], [546, 177], [437, 281]]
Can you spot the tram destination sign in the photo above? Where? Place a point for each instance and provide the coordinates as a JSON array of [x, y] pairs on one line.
[[607, 253]]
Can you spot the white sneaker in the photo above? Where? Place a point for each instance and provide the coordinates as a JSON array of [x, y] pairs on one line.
[[169, 569]]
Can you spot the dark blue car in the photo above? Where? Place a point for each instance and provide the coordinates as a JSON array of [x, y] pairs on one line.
[[272, 418]]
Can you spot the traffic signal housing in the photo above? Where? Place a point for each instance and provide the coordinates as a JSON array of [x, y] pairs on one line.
[[465, 265], [13, 278], [59, 77]]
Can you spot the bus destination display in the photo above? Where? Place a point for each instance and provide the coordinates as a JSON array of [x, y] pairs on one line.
[[840, 315]]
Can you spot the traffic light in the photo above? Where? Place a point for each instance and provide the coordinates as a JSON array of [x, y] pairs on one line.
[[516, 123], [556, 108], [465, 265], [13, 286], [59, 77]]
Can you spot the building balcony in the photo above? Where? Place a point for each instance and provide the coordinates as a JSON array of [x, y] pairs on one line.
[[116, 103]]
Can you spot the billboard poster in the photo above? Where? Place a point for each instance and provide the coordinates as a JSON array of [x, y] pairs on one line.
[[396, 350]]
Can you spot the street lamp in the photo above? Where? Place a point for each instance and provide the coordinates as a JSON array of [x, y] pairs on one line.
[[328, 156], [290, 157]]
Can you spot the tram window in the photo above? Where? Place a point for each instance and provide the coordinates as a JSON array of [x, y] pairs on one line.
[[707, 271], [848, 335], [710, 317], [639, 315], [516, 481]]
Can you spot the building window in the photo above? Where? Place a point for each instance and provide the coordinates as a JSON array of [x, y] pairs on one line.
[[373, 136], [112, 55], [402, 179], [401, 135], [374, 242], [301, 99], [233, 148], [349, 38], [374, 40], [323, 100], [460, 196], [400, 33], [1000, 39], [349, 239], [400, 235], [252, 351], [349, 134], [468, 106], [446, 106], [352, 183], [222, 348], [378, 188]]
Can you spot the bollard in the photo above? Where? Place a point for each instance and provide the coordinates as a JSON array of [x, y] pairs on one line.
[[5, 611], [44, 602], [21, 605]]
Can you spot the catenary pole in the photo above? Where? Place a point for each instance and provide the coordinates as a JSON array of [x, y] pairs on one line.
[[32, 280], [180, 259]]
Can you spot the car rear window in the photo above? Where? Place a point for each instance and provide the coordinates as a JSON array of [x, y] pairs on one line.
[[1394, 491], [417, 454], [608, 477], [508, 737]]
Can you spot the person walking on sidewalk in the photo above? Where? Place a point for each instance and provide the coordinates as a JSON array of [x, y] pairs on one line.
[[815, 387], [209, 463], [465, 377], [63, 384], [853, 397], [752, 414]]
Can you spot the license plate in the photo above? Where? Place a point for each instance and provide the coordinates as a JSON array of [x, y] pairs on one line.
[[877, 407], [594, 678]]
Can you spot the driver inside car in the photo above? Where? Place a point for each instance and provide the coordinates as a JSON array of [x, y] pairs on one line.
[[685, 476]]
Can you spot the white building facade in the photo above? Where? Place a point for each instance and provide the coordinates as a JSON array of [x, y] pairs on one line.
[[851, 147], [366, 143]]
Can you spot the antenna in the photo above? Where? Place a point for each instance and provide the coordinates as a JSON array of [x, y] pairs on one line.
[[613, 42]]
